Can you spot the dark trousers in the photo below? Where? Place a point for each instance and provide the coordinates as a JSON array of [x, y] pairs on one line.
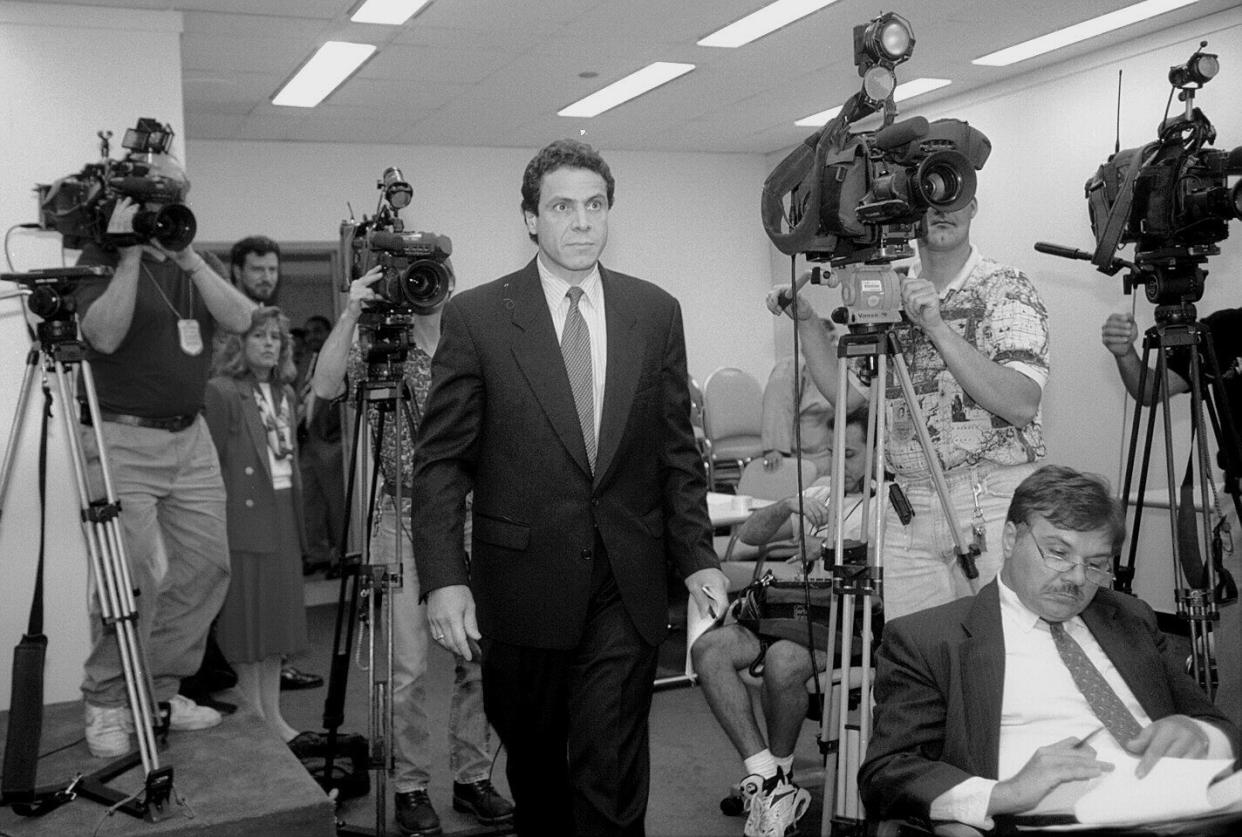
[[574, 723]]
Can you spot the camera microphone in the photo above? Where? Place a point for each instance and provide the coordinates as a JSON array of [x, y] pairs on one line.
[[1063, 252], [785, 297], [901, 133]]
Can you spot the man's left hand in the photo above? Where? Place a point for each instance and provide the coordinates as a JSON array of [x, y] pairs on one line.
[[1174, 735], [922, 302], [710, 590]]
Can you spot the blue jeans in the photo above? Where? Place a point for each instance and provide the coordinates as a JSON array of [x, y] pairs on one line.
[[468, 731], [920, 567], [173, 530]]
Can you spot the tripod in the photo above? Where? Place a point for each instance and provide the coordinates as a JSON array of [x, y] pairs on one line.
[[844, 745], [58, 353], [385, 391], [1195, 576]]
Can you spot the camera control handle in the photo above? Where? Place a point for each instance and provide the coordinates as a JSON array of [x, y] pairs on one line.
[[785, 297], [1063, 252]]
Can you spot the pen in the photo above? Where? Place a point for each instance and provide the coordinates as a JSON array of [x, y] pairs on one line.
[[1082, 741], [711, 611]]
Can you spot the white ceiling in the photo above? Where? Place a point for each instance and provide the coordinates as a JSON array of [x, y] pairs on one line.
[[495, 72]]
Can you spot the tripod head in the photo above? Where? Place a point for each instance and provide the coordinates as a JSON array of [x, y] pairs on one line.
[[384, 336], [49, 296]]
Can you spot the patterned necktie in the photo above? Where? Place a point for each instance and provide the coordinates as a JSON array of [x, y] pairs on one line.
[[576, 349], [1104, 702]]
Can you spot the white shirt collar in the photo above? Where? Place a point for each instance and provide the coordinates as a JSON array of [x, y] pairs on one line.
[[1018, 615], [555, 288]]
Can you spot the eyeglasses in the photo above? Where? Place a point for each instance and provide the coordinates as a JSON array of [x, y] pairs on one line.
[[1058, 562]]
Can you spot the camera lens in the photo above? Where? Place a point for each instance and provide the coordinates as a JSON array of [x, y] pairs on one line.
[[945, 180], [425, 284], [172, 226]]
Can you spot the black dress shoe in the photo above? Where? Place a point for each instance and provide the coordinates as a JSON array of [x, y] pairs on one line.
[[291, 679], [415, 816], [482, 800]]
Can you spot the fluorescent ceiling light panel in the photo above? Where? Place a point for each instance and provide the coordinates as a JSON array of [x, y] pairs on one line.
[[391, 12], [912, 88], [622, 90], [759, 23], [331, 64], [1080, 32]]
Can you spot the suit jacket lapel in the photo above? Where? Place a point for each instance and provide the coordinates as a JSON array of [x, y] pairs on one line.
[[624, 365], [246, 391], [983, 679], [538, 355], [1138, 670]]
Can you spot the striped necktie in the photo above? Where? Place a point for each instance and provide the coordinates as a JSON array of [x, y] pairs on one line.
[[576, 349], [1104, 702]]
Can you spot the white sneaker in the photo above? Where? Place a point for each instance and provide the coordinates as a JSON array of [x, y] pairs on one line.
[[780, 804], [184, 714], [107, 730], [750, 790]]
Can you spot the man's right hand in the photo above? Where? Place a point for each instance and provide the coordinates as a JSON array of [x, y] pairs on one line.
[[360, 289], [1119, 333], [1050, 766], [798, 309], [450, 614]]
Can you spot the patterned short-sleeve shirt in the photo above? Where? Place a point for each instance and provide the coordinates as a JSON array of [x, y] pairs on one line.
[[998, 311], [417, 373]]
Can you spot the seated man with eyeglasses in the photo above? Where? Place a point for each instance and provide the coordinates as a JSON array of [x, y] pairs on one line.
[[983, 705]]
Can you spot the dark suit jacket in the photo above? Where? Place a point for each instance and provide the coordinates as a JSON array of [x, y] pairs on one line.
[[241, 441], [500, 418], [939, 682]]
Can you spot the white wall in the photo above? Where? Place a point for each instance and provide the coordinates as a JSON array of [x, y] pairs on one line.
[[684, 221], [68, 72]]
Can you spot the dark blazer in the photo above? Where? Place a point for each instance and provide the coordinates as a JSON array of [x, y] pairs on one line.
[[500, 418], [939, 682], [241, 441]]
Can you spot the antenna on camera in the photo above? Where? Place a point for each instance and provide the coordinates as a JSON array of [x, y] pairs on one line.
[[1117, 130]]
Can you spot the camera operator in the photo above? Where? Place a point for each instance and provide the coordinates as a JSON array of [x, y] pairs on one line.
[[149, 333], [768, 791], [976, 346], [1120, 331], [341, 358]]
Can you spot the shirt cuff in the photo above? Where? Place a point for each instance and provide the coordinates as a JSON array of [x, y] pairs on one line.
[[965, 802], [1219, 746]]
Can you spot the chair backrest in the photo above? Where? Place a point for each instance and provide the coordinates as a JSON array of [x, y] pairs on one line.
[[776, 484], [732, 404], [696, 404]]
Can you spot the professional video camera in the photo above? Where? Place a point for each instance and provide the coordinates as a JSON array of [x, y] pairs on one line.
[[80, 205], [854, 199], [417, 274], [1170, 197]]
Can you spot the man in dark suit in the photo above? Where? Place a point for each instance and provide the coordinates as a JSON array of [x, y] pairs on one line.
[[560, 395], [979, 708]]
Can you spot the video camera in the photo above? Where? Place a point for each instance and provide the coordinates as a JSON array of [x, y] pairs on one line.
[[860, 198], [1171, 197], [417, 274], [80, 205]]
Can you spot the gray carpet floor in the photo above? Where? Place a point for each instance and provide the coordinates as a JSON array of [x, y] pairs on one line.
[[692, 763]]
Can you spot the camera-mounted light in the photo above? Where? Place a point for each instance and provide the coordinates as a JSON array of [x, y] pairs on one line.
[[1198, 70], [397, 192], [148, 137], [886, 41]]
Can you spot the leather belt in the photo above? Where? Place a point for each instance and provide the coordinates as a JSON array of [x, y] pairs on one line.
[[173, 424]]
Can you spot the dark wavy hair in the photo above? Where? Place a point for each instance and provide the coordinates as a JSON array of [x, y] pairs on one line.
[[231, 359], [562, 154], [1069, 499], [260, 245]]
